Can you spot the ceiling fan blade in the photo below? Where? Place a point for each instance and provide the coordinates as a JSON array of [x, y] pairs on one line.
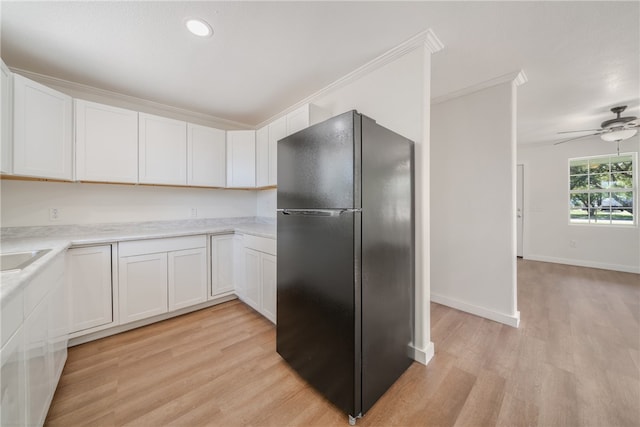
[[577, 137], [583, 130]]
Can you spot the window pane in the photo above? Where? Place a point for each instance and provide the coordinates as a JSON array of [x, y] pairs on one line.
[[621, 164], [579, 182], [599, 165], [577, 167], [596, 215], [595, 199], [578, 211], [622, 180], [599, 181], [625, 198]]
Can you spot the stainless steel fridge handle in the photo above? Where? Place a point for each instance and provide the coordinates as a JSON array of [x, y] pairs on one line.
[[317, 212]]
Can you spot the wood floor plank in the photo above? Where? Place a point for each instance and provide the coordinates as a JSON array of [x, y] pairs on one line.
[[574, 361]]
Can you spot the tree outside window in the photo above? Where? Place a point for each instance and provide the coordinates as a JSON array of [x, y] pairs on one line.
[[602, 190]]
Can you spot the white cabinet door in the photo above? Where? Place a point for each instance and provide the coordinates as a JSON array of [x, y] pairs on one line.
[[12, 382], [207, 158], [162, 150], [268, 280], [90, 287], [277, 131], [187, 277], [222, 264], [262, 157], [42, 130], [241, 158], [143, 286], [38, 364], [106, 143], [58, 329], [298, 119], [252, 294], [6, 125]]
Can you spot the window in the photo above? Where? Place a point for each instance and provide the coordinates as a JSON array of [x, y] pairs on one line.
[[602, 190]]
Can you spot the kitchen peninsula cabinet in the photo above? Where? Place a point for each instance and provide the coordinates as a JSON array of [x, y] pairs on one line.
[[162, 145], [259, 278], [207, 156], [42, 131], [90, 288], [106, 143], [241, 159], [161, 275]]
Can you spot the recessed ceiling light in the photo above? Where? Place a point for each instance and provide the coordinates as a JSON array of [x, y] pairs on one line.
[[199, 27]]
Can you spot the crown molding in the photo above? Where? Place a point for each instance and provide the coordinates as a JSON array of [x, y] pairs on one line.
[[90, 90], [518, 78], [426, 38]]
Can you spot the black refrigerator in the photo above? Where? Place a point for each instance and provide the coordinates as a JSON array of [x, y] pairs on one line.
[[345, 258]]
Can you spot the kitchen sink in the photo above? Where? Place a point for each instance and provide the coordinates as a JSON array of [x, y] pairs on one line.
[[20, 260]]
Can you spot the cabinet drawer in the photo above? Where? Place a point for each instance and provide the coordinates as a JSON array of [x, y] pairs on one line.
[[261, 244], [150, 246]]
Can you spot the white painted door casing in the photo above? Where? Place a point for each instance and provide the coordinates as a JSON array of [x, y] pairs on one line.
[[162, 150], [42, 131], [106, 143]]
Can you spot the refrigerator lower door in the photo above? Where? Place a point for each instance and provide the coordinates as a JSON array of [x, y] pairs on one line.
[[317, 313]]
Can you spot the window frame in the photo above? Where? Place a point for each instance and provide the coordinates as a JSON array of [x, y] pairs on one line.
[[633, 190]]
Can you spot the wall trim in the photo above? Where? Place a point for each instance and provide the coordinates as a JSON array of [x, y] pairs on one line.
[[518, 78], [584, 263], [424, 38], [91, 90], [511, 320], [423, 355]]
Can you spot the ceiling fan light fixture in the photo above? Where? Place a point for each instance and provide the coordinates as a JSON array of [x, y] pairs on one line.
[[618, 135], [199, 27]]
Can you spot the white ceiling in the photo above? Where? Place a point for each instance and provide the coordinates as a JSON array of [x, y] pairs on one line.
[[581, 58]]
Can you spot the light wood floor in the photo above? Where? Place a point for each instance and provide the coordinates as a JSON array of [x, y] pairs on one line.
[[574, 361]]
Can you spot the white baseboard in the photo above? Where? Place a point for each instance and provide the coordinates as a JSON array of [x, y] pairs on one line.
[[583, 263], [507, 319], [423, 355]]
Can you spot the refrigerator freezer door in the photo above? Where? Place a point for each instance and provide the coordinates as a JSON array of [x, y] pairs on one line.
[[318, 167], [317, 310], [387, 259]]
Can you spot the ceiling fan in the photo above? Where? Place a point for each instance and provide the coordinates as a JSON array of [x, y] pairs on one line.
[[612, 130]]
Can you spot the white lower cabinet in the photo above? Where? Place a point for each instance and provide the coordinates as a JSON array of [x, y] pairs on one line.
[[38, 365], [12, 381], [143, 286], [161, 275], [259, 278], [222, 264], [187, 277], [90, 288]]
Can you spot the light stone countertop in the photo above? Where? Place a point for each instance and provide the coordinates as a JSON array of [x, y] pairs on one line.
[[60, 238]]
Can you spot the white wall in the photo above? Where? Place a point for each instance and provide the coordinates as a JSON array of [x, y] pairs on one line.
[[397, 95], [27, 203], [473, 253], [266, 203], [547, 232]]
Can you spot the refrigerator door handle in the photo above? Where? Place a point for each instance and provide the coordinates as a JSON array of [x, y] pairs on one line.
[[317, 212]]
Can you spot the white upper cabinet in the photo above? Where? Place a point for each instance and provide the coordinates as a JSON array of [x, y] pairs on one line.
[[277, 131], [262, 157], [305, 116], [42, 131], [162, 150], [241, 158], [206, 156], [106, 143], [6, 125]]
